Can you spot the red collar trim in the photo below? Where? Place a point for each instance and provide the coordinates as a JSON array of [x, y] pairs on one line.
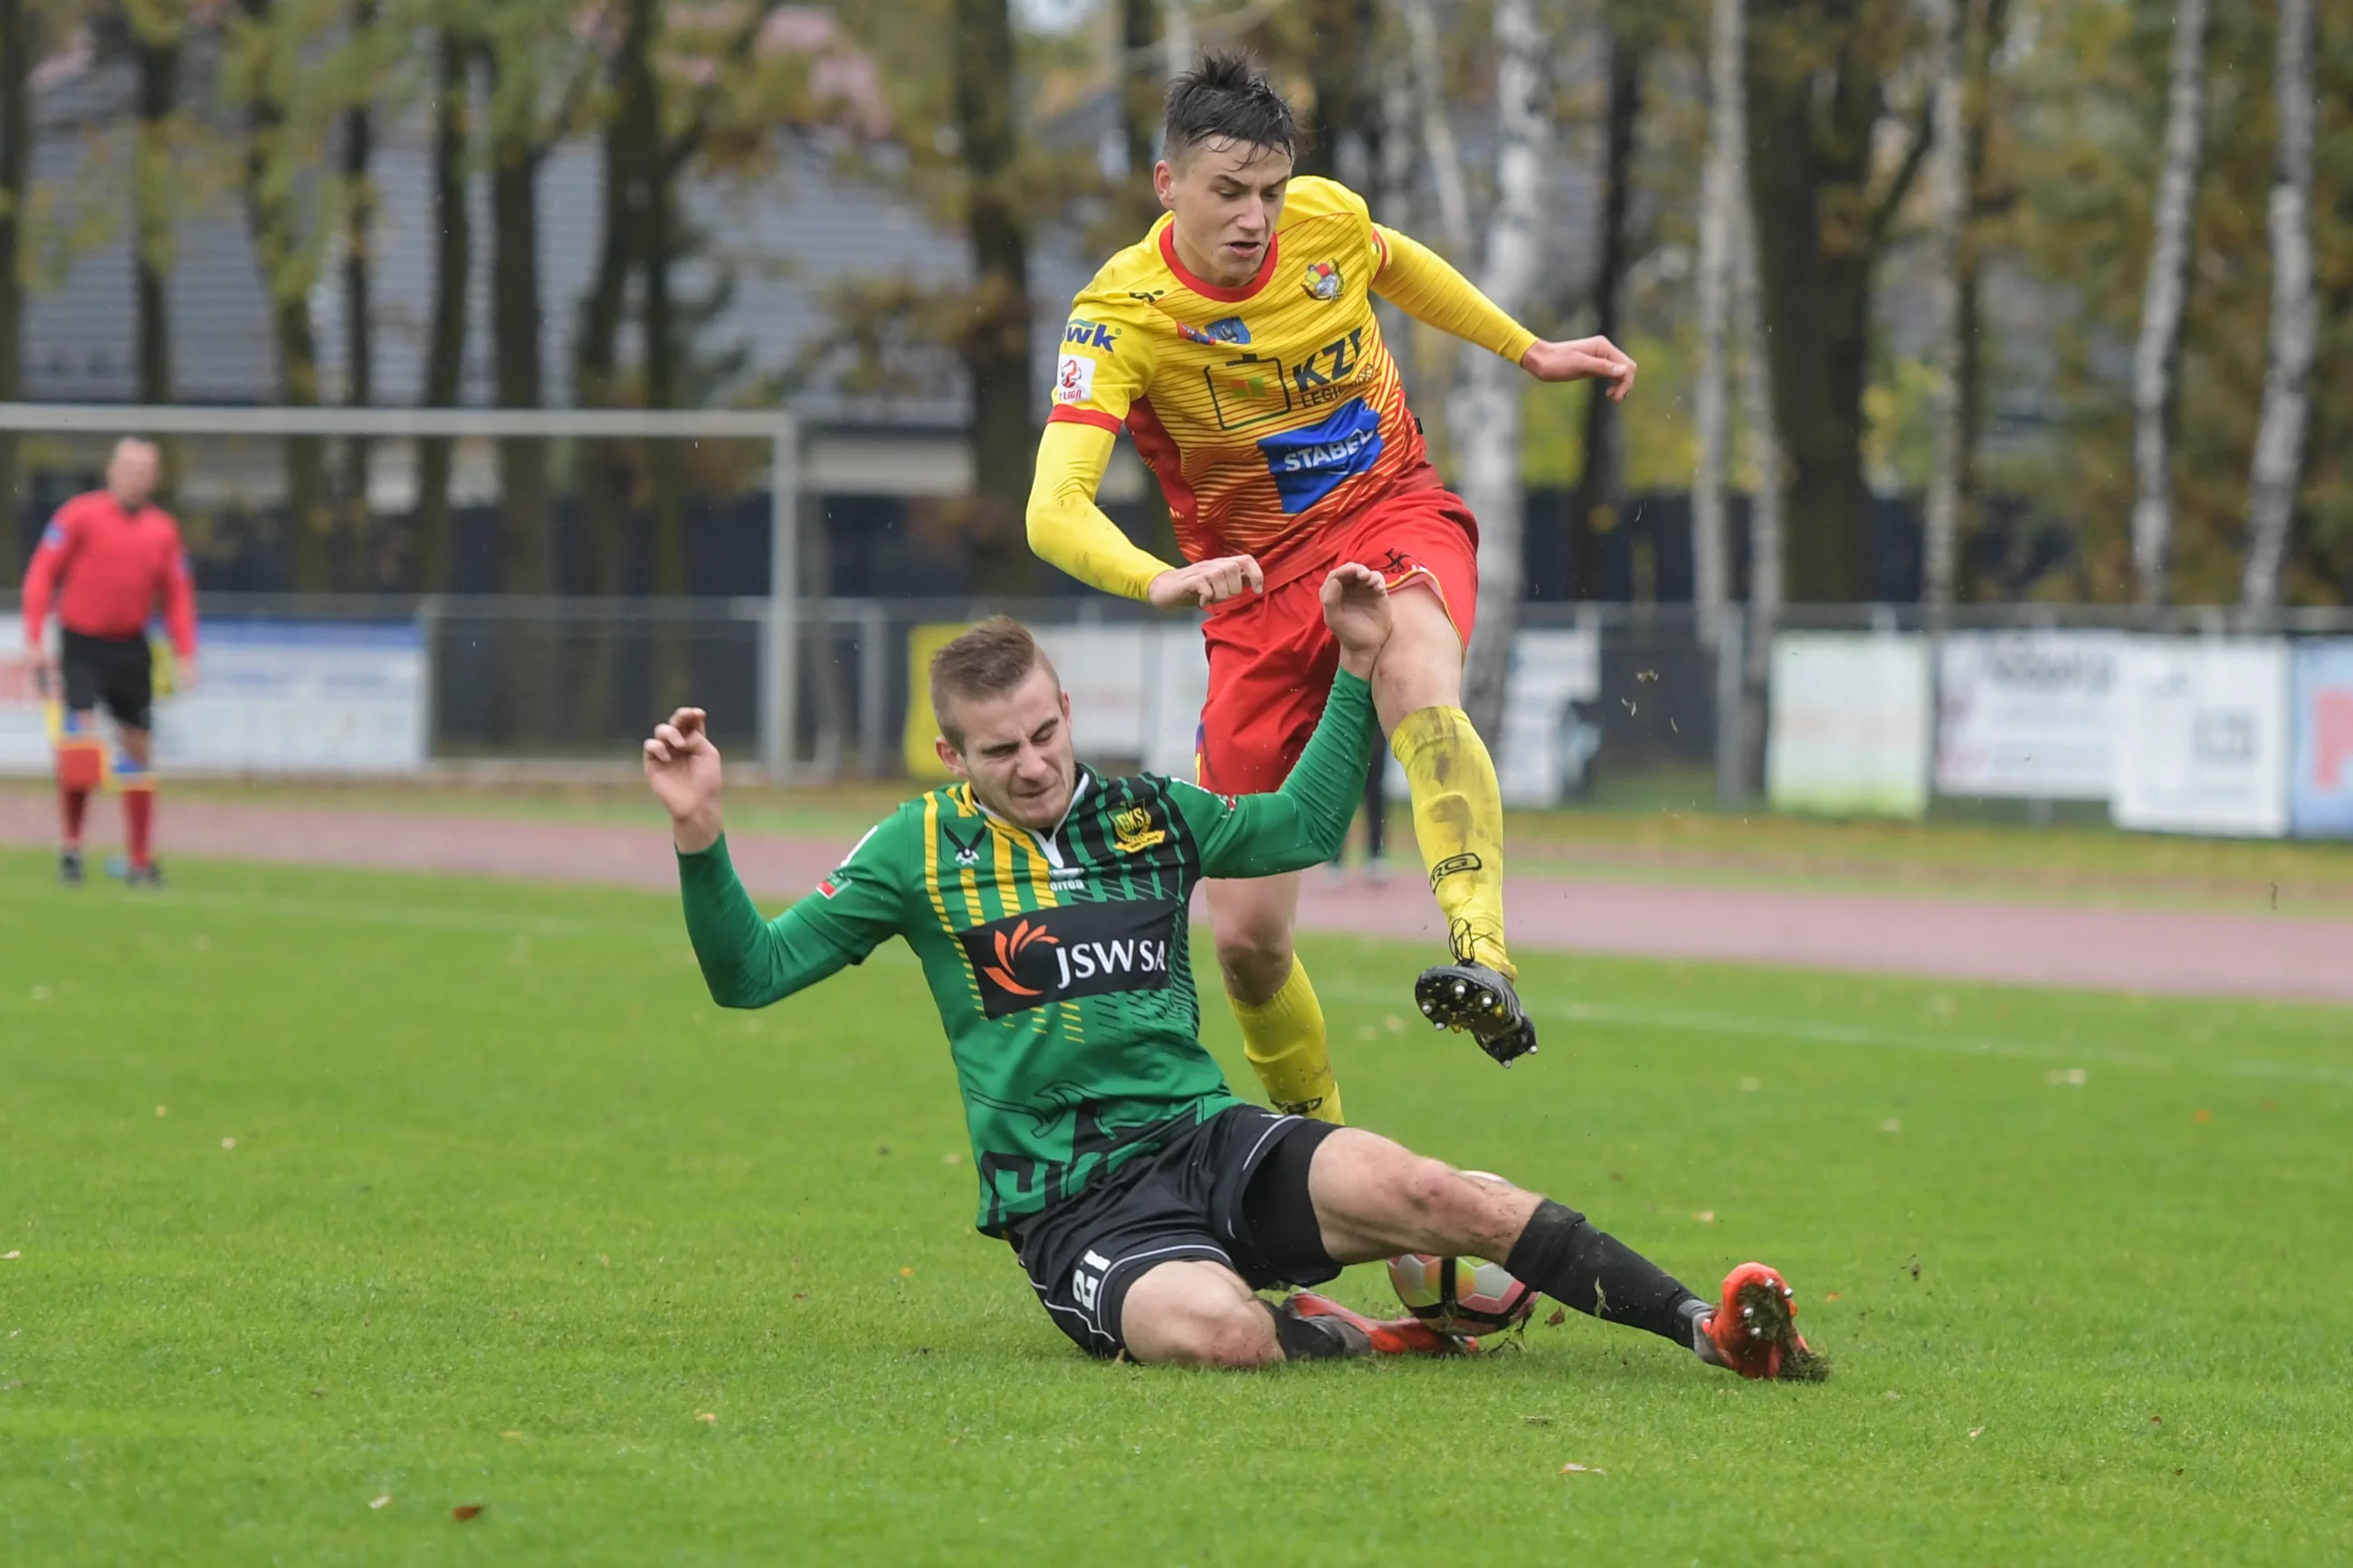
[[1202, 286]]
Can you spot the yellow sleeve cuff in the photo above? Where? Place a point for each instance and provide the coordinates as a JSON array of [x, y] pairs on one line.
[[1067, 529]]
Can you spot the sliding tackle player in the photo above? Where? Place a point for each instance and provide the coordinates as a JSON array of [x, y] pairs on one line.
[[1047, 905]]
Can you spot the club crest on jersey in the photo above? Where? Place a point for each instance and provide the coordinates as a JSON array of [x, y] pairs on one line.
[[1133, 832], [966, 854], [1043, 956], [1323, 281]]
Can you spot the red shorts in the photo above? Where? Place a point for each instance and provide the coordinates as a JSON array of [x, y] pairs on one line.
[[1271, 659]]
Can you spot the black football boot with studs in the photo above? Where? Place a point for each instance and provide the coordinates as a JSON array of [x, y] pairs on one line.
[[1464, 995]]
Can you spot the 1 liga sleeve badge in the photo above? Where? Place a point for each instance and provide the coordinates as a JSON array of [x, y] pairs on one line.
[[1074, 379]]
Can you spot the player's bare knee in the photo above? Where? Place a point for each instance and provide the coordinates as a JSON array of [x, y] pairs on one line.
[[1243, 1341], [1254, 960]]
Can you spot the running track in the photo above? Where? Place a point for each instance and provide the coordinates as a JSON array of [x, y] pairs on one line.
[[2167, 951]]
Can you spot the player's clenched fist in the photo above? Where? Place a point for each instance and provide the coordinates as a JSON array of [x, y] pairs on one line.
[[1206, 583], [683, 766]]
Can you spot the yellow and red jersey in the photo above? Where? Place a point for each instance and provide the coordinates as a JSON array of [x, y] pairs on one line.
[[1266, 412]]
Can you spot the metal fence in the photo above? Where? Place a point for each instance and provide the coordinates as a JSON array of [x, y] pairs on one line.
[[1669, 718]]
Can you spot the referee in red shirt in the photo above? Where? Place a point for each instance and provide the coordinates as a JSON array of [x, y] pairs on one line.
[[110, 561]]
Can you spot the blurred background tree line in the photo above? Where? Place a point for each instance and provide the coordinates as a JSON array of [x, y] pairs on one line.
[[2071, 280]]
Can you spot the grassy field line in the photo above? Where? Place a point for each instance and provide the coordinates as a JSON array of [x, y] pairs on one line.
[[1748, 1027], [1678, 1020], [425, 917]]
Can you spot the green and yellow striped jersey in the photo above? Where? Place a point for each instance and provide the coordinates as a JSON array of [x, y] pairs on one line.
[[1058, 961]]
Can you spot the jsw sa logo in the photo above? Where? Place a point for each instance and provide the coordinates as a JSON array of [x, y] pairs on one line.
[[1042, 956]]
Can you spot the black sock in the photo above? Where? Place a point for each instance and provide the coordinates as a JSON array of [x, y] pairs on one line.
[[1313, 1339], [1595, 1273]]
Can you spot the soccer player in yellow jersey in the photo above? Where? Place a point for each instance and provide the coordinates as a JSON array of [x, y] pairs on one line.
[[1237, 347]]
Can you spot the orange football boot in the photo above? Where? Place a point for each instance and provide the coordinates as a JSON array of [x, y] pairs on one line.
[[1396, 1336], [1755, 1331]]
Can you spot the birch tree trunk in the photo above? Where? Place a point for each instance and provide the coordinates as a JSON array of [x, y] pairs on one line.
[[15, 175], [1429, 71], [1767, 501], [1484, 414], [2157, 354], [453, 263], [2287, 380], [1948, 201], [1724, 186]]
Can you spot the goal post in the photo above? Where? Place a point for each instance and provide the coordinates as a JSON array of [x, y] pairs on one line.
[[779, 664]]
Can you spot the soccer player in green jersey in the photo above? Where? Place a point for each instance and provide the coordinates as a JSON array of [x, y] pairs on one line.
[[1046, 904]]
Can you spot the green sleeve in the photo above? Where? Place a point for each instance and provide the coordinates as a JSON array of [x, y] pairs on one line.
[[1305, 822], [749, 962]]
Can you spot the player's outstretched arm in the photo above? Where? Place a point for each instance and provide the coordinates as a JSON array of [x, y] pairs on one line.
[[1305, 822], [747, 960], [1425, 286], [1068, 530]]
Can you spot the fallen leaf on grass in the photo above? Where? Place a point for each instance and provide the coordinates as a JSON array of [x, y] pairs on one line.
[[513, 1435], [379, 1502], [2157, 1420], [1537, 1420], [1706, 1216], [1560, 1316], [228, 1143], [1581, 1470], [10, 1257], [466, 1510], [1891, 1125], [2202, 1114], [1975, 1430], [906, 1274], [1830, 1295], [950, 1159], [163, 1110], [1893, 1394], [705, 1415]]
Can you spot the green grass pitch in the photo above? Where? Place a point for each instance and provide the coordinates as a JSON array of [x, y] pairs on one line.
[[514, 1217]]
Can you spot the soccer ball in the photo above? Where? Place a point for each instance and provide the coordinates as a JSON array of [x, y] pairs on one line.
[[1461, 1295]]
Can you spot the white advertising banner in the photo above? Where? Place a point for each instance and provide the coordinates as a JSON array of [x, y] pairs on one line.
[[2028, 715], [2202, 736], [293, 696], [1104, 669], [1544, 748], [300, 697], [1849, 728], [23, 732]]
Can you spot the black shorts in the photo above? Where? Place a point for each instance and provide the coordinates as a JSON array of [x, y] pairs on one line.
[[117, 671], [1232, 1189]]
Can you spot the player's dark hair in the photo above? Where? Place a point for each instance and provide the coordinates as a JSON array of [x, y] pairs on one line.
[[1226, 98], [990, 660]]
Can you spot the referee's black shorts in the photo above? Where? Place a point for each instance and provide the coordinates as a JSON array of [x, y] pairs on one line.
[[117, 671], [1232, 1190]]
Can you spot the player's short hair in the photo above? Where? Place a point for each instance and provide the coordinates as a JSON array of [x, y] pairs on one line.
[[990, 660], [1226, 98]]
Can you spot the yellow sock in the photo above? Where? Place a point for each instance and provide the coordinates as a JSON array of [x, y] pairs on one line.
[[1458, 818], [1284, 1039]]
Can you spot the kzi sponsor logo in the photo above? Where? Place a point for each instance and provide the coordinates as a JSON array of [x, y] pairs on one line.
[[1073, 950], [1324, 376]]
